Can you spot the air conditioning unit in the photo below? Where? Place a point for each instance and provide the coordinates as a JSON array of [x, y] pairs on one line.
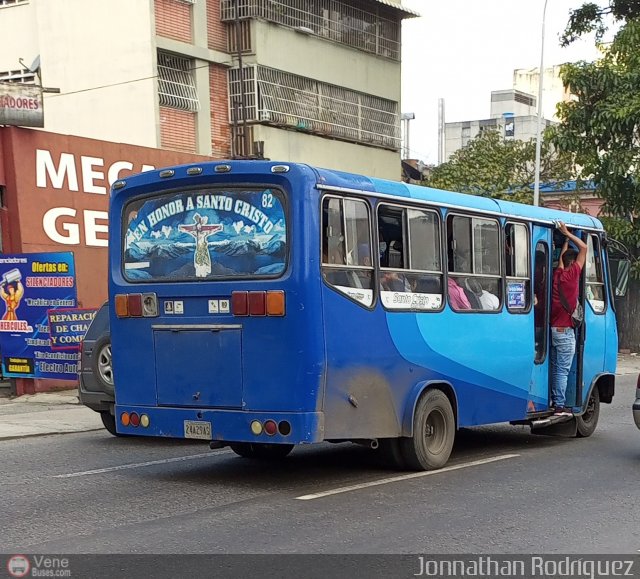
[[265, 116]]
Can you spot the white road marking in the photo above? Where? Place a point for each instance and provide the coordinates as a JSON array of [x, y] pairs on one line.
[[402, 477], [140, 464]]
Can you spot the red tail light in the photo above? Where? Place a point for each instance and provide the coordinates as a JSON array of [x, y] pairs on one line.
[[135, 305], [257, 304], [240, 303]]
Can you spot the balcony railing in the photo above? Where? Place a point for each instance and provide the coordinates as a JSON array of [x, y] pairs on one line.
[[375, 31], [287, 100]]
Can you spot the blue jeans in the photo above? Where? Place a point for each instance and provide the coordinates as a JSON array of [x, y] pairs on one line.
[[563, 348]]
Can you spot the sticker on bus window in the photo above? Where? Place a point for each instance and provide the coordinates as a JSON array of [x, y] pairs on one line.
[[204, 235], [361, 295], [410, 301], [516, 295]]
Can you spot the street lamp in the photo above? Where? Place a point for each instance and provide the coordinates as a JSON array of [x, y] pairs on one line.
[[405, 118], [536, 186]]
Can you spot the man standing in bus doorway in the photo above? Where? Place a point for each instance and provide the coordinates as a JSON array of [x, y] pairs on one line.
[[566, 279]]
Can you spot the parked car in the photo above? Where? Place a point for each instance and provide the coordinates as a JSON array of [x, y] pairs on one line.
[[96, 388], [636, 404]]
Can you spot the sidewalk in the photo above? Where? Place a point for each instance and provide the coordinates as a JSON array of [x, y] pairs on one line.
[[45, 413], [61, 412]]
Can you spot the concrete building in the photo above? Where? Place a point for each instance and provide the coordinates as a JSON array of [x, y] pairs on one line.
[[553, 91], [513, 115], [311, 80]]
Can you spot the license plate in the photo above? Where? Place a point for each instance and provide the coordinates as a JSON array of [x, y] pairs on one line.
[[197, 429]]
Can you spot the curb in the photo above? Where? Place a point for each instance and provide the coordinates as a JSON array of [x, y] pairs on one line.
[[36, 434]]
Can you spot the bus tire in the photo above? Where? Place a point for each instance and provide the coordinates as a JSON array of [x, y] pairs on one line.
[[390, 450], [434, 427], [588, 421], [261, 451], [109, 422]]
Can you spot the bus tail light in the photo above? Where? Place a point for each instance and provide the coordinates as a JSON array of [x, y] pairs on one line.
[[135, 305], [125, 419], [275, 303], [240, 303], [257, 305], [269, 303], [134, 419], [122, 306], [270, 427]]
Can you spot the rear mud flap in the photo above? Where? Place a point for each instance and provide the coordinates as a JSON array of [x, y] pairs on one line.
[[555, 426]]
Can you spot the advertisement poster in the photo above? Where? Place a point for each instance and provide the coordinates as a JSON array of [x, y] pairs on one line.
[[67, 327], [31, 285]]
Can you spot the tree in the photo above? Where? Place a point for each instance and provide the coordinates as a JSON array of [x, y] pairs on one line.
[[593, 18], [504, 169], [601, 125]]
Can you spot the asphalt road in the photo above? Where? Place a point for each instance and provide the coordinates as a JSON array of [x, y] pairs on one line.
[[505, 491]]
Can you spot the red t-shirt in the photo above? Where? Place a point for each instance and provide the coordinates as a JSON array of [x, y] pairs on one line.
[[569, 278]]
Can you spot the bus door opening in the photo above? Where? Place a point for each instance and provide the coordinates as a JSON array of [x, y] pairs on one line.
[[573, 393]]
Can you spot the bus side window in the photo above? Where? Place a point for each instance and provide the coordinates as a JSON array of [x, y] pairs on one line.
[[541, 302], [474, 263], [346, 248], [410, 259], [594, 275], [517, 267]]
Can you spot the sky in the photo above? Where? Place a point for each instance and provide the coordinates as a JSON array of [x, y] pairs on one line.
[[461, 50]]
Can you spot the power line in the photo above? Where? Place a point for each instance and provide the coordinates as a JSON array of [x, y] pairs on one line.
[[121, 83]]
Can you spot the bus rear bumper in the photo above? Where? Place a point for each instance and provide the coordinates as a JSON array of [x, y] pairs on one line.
[[224, 425]]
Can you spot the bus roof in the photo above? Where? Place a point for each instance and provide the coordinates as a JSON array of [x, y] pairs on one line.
[[340, 180], [343, 180]]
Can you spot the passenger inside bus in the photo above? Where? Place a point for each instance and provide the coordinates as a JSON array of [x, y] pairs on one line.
[[486, 300]]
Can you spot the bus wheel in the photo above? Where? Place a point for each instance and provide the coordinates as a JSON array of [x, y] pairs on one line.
[[390, 450], [589, 420], [434, 428], [261, 451], [109, 422]]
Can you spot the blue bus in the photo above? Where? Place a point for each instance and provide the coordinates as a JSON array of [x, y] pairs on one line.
[[262, 305]]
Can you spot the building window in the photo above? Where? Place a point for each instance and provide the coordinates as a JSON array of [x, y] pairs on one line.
[[287, 100], [356, 24], [22, 76], [176, 83], [474, 263], [12, 2]]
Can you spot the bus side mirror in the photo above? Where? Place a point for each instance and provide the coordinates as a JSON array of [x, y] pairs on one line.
[[620, 276], [619, 266]]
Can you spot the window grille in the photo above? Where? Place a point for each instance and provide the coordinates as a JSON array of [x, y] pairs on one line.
[[288, 100], [22, 76], [12, 2], [371, 29], [176, 84]]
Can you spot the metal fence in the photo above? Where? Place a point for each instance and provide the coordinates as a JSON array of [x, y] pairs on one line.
[[176, 84], [283, 99], [376, 31]]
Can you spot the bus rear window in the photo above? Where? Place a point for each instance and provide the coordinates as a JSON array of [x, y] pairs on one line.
[[212, 234]]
